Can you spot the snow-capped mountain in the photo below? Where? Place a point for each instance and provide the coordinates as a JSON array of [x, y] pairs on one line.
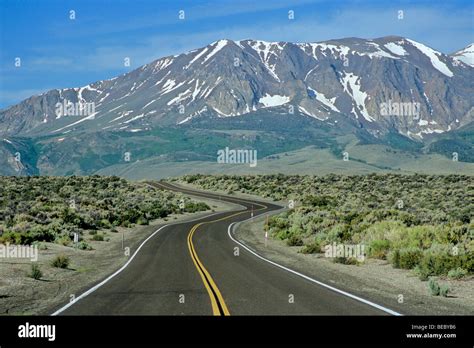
[[466, 55], [348, 78]]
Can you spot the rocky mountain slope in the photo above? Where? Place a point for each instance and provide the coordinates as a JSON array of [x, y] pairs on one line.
[[345, 85]]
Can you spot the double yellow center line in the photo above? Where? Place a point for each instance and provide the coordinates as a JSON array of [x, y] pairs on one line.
[[217, 301]]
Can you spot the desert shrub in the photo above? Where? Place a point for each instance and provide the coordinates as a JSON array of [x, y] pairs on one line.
[[444, 290], [142, 221], [439, 262], [60, 261], [318, 201], [422, 273], [11, 238], [192, 207], [294, 240], [337, 233], [98, 237], [379, 248], [345, 260], [280, 234], [63, 240], [18, 238], [104, 223], [49, 208], [40, 245], [35, 272], [42, 233], [457, 273], [418, 236], [83, 246], [434, 288], [312, 248], [86, 222], [126, 223], [279, 222], [394, 258], [409, 257]]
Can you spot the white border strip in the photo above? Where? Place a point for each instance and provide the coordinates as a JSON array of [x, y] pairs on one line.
[[94, 288], [357, 298]]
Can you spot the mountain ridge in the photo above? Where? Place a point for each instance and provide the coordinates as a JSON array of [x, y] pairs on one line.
[[266, 55], [340, 85]]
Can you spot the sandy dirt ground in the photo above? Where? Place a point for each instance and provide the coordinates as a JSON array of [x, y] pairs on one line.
[[22, 295], [374, 280]]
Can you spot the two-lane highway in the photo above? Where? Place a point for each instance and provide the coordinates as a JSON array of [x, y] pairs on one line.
[[195, 268]]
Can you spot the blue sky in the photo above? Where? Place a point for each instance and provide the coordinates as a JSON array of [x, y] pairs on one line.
[[57, 52]]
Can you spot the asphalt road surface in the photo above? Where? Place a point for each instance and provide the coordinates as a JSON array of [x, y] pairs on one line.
[[192, 268]]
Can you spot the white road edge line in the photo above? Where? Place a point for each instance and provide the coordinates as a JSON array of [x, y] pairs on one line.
[[95, 287], [360, 299]]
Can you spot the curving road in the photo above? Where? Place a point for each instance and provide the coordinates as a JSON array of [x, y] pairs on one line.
[[191, 268]]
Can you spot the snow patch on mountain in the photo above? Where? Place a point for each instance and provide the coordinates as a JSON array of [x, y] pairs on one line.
[[121, 115], [396, 49], [434, 57], [193, 115], [343, 51], [162, 64], [147, 104], [378, 53], [134, 118], [161, 80], [196, 91], [322, 98], [169, 86], [351, 84], [196, 57], [336, 50], [218, 46], [339, 51], [466, 55], [273, 100], [265, 50], [180, 97], [306, 112], [221, 113], [104, 97], [90, 117]]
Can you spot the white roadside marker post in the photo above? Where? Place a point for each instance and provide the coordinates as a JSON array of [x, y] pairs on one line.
[[76, 239], [266, 232]]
